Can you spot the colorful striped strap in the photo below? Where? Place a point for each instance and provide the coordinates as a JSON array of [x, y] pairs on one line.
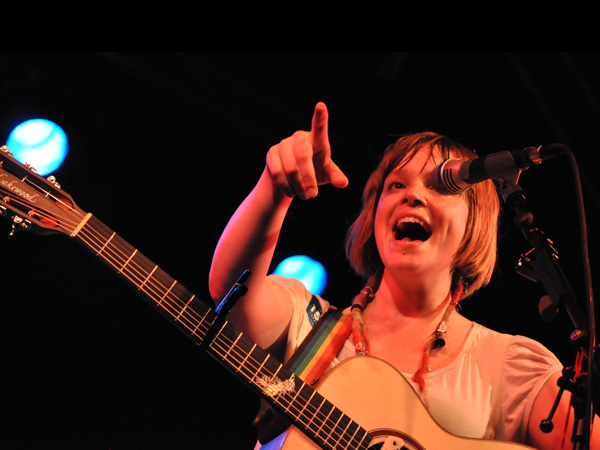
[[321, 345]]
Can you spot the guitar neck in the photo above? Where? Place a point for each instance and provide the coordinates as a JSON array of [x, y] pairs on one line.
[[325, 424], [155, 286]]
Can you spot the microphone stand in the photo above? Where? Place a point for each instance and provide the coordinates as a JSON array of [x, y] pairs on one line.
[[560, 294]]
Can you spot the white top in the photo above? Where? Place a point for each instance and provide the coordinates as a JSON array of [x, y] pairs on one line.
[[487, 392]]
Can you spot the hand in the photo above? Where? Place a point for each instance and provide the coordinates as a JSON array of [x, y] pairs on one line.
[[302, 162]]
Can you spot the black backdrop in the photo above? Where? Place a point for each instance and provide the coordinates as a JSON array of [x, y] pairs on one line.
[[164, 146]]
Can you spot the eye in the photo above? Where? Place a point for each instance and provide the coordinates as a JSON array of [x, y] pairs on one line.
[[396, 185]]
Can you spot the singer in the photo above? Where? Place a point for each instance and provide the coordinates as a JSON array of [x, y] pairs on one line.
[[420, 252]]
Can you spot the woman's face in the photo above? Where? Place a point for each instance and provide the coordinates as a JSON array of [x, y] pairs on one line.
[[418, 230]]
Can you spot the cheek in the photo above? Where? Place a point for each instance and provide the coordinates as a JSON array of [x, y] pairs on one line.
[[458, 224]]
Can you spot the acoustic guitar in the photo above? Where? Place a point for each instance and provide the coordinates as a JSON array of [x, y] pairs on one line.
[[385, 414]]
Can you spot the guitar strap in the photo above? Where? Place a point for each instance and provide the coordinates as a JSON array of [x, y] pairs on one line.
[[309, 362], [321, 345]]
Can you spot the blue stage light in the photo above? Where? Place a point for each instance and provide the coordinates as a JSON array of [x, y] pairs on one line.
[[309, 272], [39, 142]]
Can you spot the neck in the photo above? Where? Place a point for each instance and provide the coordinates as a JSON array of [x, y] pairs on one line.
[[413, 300]]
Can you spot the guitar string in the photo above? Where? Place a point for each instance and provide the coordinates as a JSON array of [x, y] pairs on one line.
[[40, 213], [63, 220]]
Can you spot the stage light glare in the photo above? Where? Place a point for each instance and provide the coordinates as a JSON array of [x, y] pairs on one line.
[[309, 272], [39, 142]]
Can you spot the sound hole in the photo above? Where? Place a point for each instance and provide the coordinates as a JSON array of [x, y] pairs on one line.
[[393, 440]]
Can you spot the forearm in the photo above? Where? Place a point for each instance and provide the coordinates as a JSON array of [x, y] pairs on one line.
[[249, 240]]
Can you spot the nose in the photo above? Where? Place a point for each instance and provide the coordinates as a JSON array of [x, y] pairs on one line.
[[415, 194]]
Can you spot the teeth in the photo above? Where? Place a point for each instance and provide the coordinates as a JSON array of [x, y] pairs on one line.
[[411, 220], [412, 228]]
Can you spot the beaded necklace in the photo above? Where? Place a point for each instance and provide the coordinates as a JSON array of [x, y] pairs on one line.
[[435, 340]]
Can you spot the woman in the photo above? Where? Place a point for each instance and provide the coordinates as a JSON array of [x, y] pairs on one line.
[[421, 252]]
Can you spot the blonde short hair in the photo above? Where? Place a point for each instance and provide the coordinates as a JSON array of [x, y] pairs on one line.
[[475, 259]]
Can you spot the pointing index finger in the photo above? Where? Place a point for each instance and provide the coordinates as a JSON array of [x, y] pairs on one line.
[[319, 130]]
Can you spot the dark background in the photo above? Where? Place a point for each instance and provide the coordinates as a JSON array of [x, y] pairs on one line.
[[164, 146]]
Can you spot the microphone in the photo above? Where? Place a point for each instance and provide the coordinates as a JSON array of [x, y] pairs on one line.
[[456, 175]]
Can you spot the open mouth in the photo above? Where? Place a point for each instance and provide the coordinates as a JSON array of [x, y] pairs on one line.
[[412, 229]]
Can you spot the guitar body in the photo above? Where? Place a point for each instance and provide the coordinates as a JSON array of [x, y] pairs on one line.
[[380, 399]]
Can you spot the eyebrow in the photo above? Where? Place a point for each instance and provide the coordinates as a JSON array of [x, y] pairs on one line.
[[397, 173]]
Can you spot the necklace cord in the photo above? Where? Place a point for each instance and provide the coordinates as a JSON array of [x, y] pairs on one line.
[[436, 340]]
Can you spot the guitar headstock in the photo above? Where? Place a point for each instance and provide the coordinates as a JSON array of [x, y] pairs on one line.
[[32, 202]]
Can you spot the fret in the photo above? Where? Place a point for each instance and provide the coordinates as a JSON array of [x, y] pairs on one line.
[[166, 293], [200, 322], [226, 355], [96, 229], [258, 371], [205, 320], [127, 262], [106, 243], [293, 400], [147, 278], [243, 363], [276, 399], [184, 308]]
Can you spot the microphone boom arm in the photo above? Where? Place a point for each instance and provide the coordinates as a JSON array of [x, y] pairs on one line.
[[547, 266], [560, 292]]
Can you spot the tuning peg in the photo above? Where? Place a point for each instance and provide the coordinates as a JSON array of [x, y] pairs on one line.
[[18, 224], [52, 179]]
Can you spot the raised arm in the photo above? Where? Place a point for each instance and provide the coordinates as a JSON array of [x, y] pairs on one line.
[[294, 169]]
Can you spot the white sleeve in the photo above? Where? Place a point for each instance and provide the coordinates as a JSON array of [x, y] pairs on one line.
[[527, 366], [306, 310]]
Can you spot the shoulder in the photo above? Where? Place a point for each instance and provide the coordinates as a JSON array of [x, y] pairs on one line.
[[526, 367], [304, 303], [307, 309], [517, 349]]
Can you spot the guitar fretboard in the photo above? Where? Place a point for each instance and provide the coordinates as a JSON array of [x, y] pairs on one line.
[[319, 419]]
